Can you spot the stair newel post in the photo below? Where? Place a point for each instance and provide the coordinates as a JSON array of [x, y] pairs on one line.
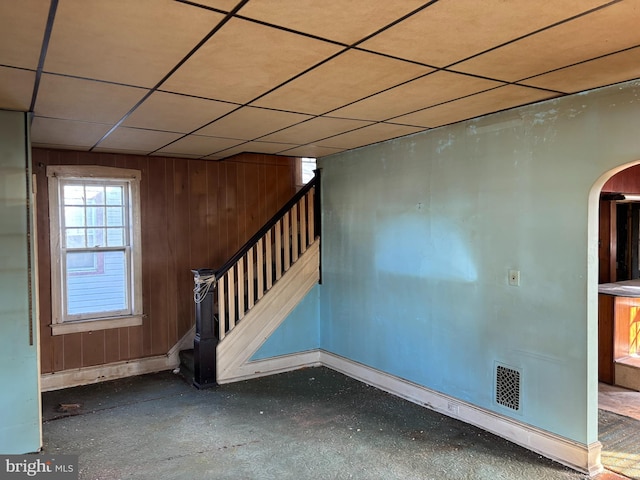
[[206, 338]]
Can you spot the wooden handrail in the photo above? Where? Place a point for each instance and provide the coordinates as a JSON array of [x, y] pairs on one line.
[[224, 296]]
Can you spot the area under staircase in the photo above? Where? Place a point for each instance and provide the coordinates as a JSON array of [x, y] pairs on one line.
[[239, 305]]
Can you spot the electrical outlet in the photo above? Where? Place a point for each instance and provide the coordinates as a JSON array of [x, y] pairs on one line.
[[514, 278]]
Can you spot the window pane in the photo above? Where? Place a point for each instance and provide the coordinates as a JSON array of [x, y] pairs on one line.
[[73, 195], [115, 217], [98, 289], [75, 238], [115, 237], [115, 195], [95, 216], [95, 194], [82, 262], [96, 237], [74, 216]]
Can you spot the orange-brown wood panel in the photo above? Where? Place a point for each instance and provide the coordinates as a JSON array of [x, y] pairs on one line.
[[72, 351], [262, 190], [198, 194], [93, 348], [136, 340], [157, 253], [124, 343], [271, 183], [216, 178], [231, 210], [241, 203], [252, 198], [195, 214], [181, 272], [626, 181], [112, 345], [171, 285]]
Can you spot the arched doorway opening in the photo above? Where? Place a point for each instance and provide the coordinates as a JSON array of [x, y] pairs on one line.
[[619, 279], [615, 207]]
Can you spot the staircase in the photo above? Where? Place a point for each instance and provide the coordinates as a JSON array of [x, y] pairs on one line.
[[242, 303]]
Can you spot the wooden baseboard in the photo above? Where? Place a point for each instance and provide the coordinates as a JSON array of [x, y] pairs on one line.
[[271, 366], [102, 373], [236, 349], [581, 457], [112, 371]]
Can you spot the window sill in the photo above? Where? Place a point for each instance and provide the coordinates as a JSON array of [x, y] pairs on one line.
[[93, 325], [631, 361]]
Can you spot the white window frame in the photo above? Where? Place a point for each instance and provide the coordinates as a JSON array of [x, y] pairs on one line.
[[60, 322], [300, 180]]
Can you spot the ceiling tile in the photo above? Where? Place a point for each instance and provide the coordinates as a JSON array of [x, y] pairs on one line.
[[16, 88], [345, 22], [136, 43], [312, 151], [431, 90], [345, 79], [175, 155], [199, 145], [244, 60], [252, 147], [226, 5], [449, 31], [51, 131], [22, 27], [85, 100], [315, 129], [474, 106], [249, 123], [595, 73], [176, 113], [125, 138], [367, 135], [615, 28]]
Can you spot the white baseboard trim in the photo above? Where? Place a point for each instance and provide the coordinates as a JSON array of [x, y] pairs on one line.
[[271, 366], [581, 457]]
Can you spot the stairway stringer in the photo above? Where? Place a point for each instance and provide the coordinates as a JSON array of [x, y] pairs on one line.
[[235, 351]]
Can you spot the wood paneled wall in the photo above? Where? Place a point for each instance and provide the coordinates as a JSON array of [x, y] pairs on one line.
[[195, 214], [626, 181]]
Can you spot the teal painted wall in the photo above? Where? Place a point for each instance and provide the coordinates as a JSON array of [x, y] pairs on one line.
[[300, 331], [19, 371], [419, 234]]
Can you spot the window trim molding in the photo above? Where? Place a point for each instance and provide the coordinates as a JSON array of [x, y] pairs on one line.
[[94, 172]]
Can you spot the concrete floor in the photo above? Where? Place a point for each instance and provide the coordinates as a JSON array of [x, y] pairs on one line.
[[308, 424]]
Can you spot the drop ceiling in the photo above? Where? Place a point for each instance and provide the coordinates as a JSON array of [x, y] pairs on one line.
[[213, 78]]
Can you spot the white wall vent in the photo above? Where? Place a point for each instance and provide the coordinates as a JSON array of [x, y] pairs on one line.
[[508, 387]]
